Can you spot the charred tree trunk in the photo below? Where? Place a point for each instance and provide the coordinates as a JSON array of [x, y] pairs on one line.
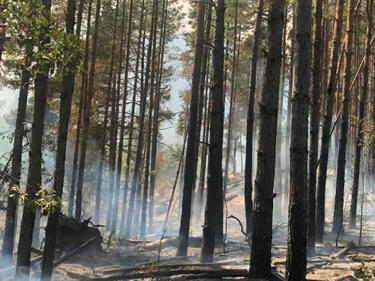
[[149, 132], [86, 116], [361, 117], [131, 126], [65, 109], [326, 134], [138, 160], [34, 177], [338, 217], [192, 134], [260, 266], [215, 178], [113, 130], [82, 102], [296, 258], [19, 132], [314, 124], [114, 209], [155, 124], [250, 121], [232, 99]]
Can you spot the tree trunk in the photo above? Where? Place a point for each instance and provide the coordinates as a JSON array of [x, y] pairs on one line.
[[314, 124], [296, 257], [192, 134], [215, 178], [19, 132], [114, 214], [260, 266], [86, 116], [83, 94], [155, 126], [65, 109], [326, 134], [131, 126], [361, 117], [34, 177], [149, 131], [232, 99], [250, 121], [341, 163], [138, 160], [113, 129]]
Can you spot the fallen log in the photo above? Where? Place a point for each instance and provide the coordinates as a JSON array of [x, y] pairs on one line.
[[141, 275], [149, 267], [350, 245]]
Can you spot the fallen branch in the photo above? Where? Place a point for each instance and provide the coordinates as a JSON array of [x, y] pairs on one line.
[[75, 251]]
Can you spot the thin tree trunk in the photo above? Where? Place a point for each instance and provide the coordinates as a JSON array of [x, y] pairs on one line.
[[131, 126], [113, 130], [232, 99], [361, 117], [260, 266], [297, 234], [149, 125], [86, 117], [65, 109], [314, 124], [326, 134], [34, 177], [215, 178], [2, 31], [138, 160], [155, 125], [338, 217], [19, 132], [250, 121], [114, 214], [82, 102], [192, 134]]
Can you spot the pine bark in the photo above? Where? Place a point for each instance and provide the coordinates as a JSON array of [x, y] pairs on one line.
[[296, 257], [215, 178], [192, 134], [232, 99], [155, 122], [114, 214], [131, 125], [314, 124], [260, 266], [34, 177], [113, 129], [149, 125], [250, 121], [83, 93], [361, 117], [19, 132], [65, 109], [86, 116], [138, 161], [338, 217], [326, 134]]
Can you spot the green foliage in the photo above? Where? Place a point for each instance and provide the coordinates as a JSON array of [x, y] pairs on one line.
[[37, 40], [45, 199]]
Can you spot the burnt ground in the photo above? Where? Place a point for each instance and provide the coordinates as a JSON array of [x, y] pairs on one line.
[[150, 260]]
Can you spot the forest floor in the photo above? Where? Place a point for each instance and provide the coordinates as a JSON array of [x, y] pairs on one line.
[[152, 260]]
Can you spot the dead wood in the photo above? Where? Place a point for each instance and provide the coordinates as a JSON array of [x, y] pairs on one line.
[[153, 274], [350, 245], [75, 251]]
